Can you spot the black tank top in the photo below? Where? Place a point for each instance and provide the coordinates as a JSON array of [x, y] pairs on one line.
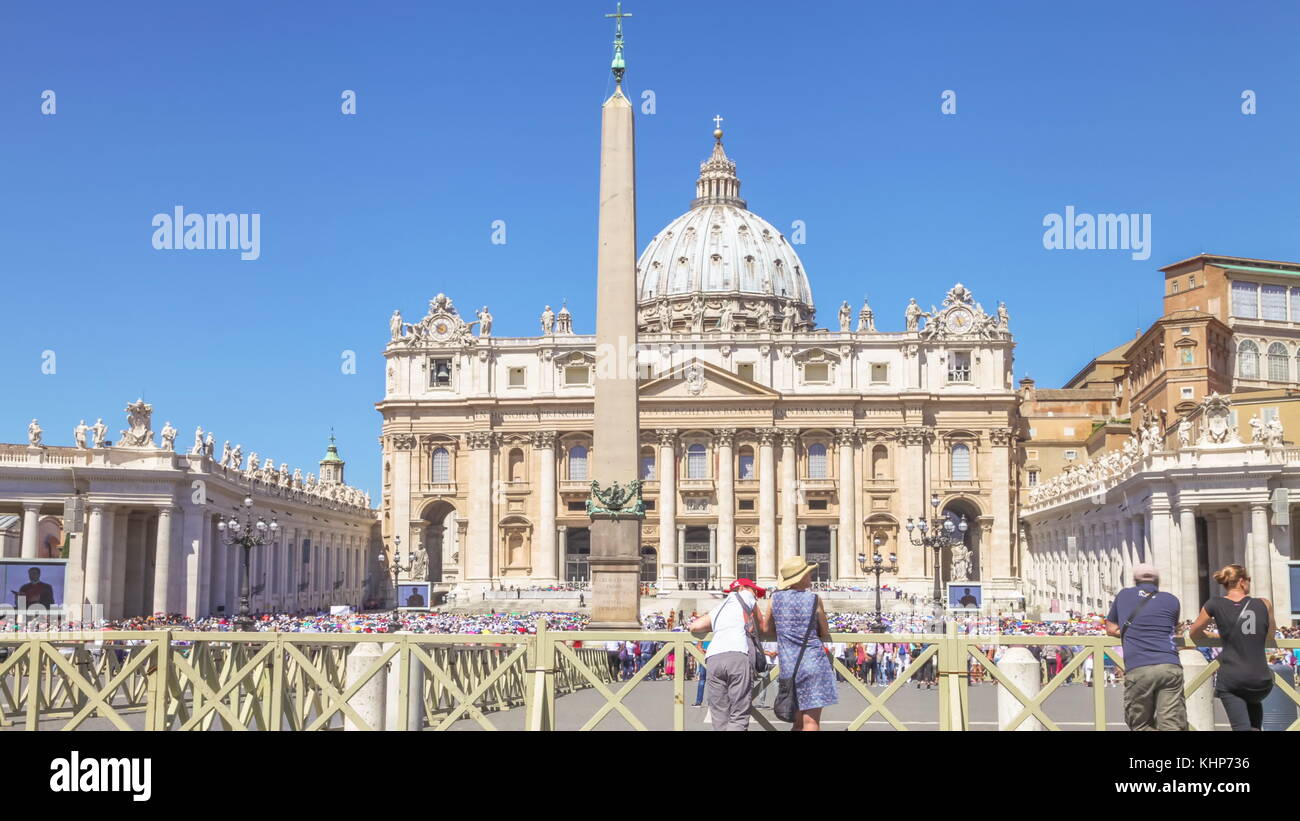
[[1243, 626]]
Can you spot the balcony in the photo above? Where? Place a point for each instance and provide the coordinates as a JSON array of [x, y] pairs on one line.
[[695, 487], [438, 488], [818, 487], [575, 488]]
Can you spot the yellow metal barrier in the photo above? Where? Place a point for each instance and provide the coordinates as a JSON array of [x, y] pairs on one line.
[[177, 680]]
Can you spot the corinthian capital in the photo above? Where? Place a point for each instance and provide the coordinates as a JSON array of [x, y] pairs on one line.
[[767, 436], [725, 437], [846, 437], [543, 439], [480, 439], [404, 441], [915, 436], [1001, 437], [667, 437], [789, 437]]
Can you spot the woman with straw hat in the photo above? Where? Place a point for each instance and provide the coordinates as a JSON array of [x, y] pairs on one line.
[[799, 621]]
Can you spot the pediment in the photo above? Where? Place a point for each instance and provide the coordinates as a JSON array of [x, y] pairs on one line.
[[698, 379]]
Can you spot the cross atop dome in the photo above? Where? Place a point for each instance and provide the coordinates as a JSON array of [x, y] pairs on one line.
[[618, 66]]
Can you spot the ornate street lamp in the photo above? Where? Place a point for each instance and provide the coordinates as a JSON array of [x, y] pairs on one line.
[[877, 566], [250, 533], [936, 535], [396, 568]]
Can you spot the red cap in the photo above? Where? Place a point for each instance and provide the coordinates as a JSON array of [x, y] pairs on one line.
[[739, 584]]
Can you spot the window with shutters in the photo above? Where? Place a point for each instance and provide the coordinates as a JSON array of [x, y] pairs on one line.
[[696, 462], [440, 469], [1279, 363], [817, 461], [1247, 360], [578, 463], [1245, 300], [1272, 300], [960, 455]]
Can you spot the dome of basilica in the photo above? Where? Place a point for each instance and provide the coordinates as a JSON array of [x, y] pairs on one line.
[[723, 256]]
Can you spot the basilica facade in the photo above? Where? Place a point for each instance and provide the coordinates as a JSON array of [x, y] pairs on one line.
[[762, 434]]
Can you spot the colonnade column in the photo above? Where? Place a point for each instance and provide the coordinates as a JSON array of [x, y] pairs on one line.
[[1260, 566], [789, 495], [481, 526], [562, 543], [667, 507], [31, 530], [1188, 580], [544, 444], [1002, 541], [846, 564], [767, 505], [114, 564], [726, 557], [162, 560], [94, 557]]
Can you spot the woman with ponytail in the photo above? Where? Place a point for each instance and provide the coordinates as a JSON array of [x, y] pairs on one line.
[[1245, 625]]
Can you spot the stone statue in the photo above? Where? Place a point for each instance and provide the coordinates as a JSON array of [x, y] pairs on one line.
[[34, 434], [912, 315], [1004, 318], [1184, 432], [395, 326], [1273, 433], [665, 316], [252, 463], [697, 314], [210, 446], [297, 478], [866, 318], [846, 317], [420, 566], [168, 437], [727, 321], [960, 563], [237, 457], [484, 322], [98, 431], [564, 321], [225, 454], [787, 318], [767, 283], [765, 317], [79, 434], [139, 432], [284, 474], [548, 321], [197, 450], [1256, 428], [311, 481]]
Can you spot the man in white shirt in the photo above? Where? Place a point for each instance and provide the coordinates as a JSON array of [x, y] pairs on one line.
[[729, 659]]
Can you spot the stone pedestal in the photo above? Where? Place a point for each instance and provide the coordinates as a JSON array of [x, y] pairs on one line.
[[371, 700], [1022, 669], [615, 574], [1200, 704]]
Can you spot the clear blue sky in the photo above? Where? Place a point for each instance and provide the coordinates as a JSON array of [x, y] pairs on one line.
[[473, 112]]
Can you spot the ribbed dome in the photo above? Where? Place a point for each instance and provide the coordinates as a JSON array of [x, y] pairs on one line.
[[720, 247]]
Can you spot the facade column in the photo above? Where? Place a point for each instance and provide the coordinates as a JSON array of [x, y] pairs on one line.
[[1260, 567], [405, 477], [803, 541], [1159, 529], [562, 538], [31, 530], [836, 570], [789, 494], [726, 555], [95, 537], [1189, 584], [546, 563], [481, 524], [1003, 528], [713, 556], [194, 548], [1132, 532], [1239, 525], [845, 552], [668, 555], [219, 550], [162, 561], [767, 505]]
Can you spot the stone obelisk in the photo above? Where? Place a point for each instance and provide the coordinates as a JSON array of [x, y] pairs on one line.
[[615, 505]]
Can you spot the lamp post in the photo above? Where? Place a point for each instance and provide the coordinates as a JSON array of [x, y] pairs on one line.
[[936, 535], [396, 568], [248, 534], [877, 566]]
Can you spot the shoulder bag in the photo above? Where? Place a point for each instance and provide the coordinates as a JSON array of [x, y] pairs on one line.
[[757, 658], [1134, 615], [787, 694]]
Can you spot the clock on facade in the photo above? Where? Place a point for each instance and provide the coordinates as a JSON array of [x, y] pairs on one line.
[[959, 321]]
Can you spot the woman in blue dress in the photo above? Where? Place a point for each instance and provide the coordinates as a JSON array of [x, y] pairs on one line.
[[791, 612]]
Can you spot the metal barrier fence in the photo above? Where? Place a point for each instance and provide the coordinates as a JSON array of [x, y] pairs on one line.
[[176, 680]]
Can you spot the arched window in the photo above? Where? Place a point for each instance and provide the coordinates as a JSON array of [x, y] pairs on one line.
[[960, 463], [880, 462], [578, 463], [817, 461], [647, 464], [440, 469], [696, 466], [516, 465], [1279, 369], [1247, 360], [747, 462], [746, 563]]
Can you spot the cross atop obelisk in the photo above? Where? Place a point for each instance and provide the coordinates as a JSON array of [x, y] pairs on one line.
[[615, 505], [618, 66]]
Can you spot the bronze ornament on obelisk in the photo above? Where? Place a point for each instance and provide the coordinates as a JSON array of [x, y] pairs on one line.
[[615, 505]]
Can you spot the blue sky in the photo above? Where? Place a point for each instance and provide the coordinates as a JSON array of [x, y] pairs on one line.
[[469, 113]]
